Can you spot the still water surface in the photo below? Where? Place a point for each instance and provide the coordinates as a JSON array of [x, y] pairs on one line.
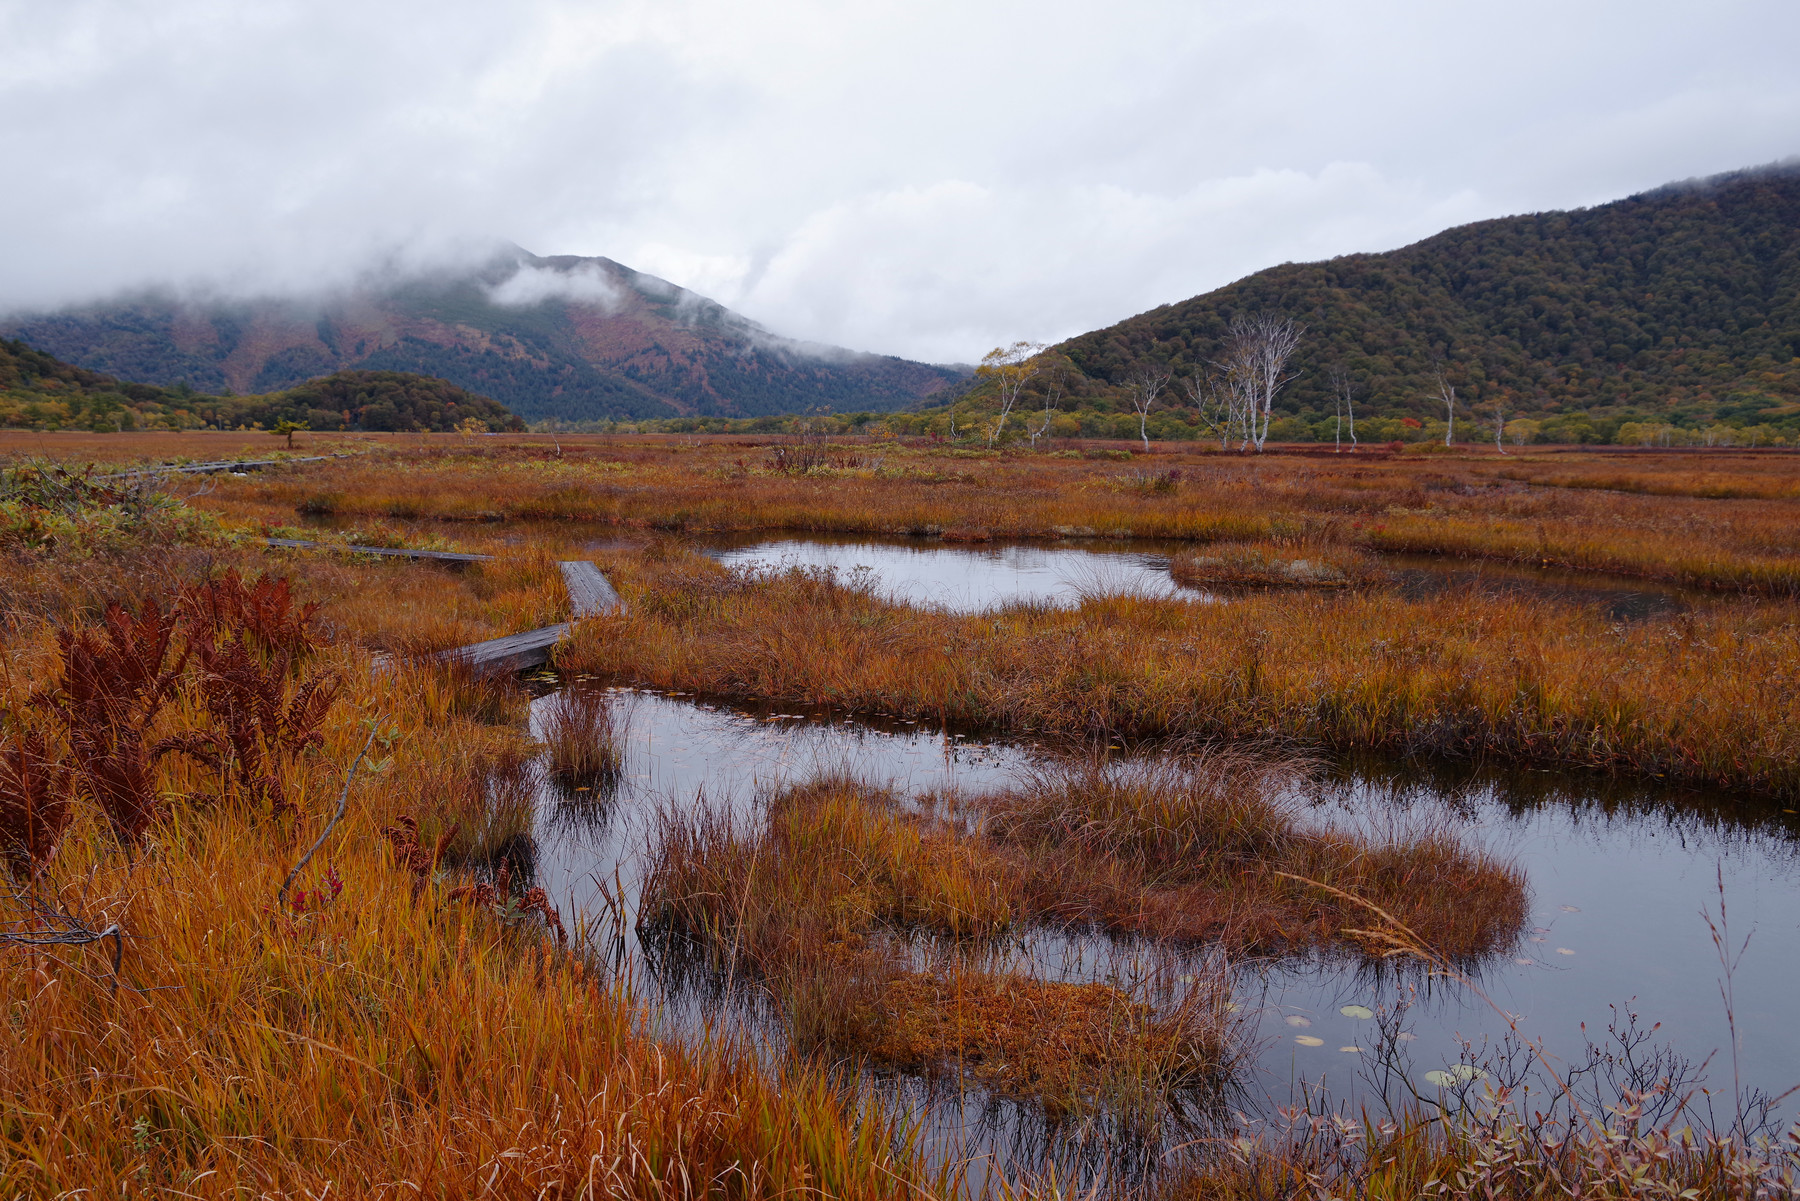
[[1620, 876], [926, 571], [1620, 880]]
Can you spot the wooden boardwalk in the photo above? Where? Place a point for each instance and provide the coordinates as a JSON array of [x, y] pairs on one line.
[[590, 595], [442, 556], [217, 465]]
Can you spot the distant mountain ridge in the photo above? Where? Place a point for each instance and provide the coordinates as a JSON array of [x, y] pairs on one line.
[[1681, 303], [567, 337]]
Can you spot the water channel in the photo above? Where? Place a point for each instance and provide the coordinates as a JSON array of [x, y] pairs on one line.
[[1621, 876]]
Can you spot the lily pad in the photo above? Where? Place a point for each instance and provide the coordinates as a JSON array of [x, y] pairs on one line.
[[1307, 1040], [1351, 1050], [1564, 951], [1571, 909], [1441, 1079], [1465, 1072], [1357, 1011], [1297, 1020]]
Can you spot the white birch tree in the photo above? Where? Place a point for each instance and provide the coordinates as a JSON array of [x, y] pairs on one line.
[[1009, 367], [1447, 394], [1343, 396], [1146, 385], [1257, 349]]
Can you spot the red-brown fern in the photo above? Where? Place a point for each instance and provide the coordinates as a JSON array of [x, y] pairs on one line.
[[34, 802], [259, 719], [114, 682], [247, 641], [498, 896], [262, 613], [411, 854]]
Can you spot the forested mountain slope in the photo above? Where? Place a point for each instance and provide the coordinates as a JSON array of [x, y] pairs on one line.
[[1678, 304], [576, 339]]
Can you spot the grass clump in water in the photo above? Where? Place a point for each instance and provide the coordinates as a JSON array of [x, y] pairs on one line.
[[1211, 846], [584, 732]]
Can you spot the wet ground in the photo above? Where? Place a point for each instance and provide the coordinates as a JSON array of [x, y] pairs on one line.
[[1622, 880]]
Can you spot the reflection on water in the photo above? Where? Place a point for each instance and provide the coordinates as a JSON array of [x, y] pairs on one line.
[[925, 571], [1620, 879], [963, 579]]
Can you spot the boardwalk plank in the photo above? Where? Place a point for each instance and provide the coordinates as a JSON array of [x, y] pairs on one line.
[[589, 595], [589, 592], [442, 556]]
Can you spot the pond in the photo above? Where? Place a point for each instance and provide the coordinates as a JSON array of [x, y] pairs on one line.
[[928, 571], [1620, 880]]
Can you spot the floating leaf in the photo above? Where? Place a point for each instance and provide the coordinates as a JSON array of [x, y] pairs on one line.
[[1571, 909], [1232, 1007], [1465, 1072], [1357, 1011], [1297, 1020], [1408, 1037], [1537, 938], [1564, 951], [1524, 962], [1307, 1040], [1441, 1079], [1351, 1050]]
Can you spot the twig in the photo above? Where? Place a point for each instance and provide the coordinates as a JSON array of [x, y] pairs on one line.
[[79, 937], [343, 804]]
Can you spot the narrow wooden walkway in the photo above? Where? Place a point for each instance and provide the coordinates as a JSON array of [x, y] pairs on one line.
[[216, 465], [590, 594], [442, 556]]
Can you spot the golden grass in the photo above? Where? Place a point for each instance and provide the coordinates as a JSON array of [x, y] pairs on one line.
[[1275, 563], [368, 1035], [1724, 522], [817, 904], [1211, 847], [1707, 698], [821, 900], [375, 1034]]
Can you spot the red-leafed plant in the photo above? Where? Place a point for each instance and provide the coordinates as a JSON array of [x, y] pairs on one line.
[[247, 642], [115, 680], [35, 806]]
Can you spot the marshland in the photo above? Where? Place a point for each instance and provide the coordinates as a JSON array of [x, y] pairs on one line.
[[927, 820]]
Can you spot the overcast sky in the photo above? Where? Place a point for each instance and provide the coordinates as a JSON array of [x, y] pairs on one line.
[[923, 178]]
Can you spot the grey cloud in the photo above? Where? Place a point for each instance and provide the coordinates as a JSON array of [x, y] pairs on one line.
[[923, 178]]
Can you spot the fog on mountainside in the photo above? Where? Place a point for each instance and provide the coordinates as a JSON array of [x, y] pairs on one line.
[[566, 338]]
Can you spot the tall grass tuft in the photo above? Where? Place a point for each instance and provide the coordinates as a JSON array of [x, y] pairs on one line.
[[585, 731]]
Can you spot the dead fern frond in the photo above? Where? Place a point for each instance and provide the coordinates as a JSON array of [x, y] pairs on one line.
[[35, 806]]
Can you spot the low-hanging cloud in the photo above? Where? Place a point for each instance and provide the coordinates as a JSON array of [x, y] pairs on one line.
[[586, 283], [924, 178]]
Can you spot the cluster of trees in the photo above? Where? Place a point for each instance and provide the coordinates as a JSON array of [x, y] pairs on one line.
[[39, 391]]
